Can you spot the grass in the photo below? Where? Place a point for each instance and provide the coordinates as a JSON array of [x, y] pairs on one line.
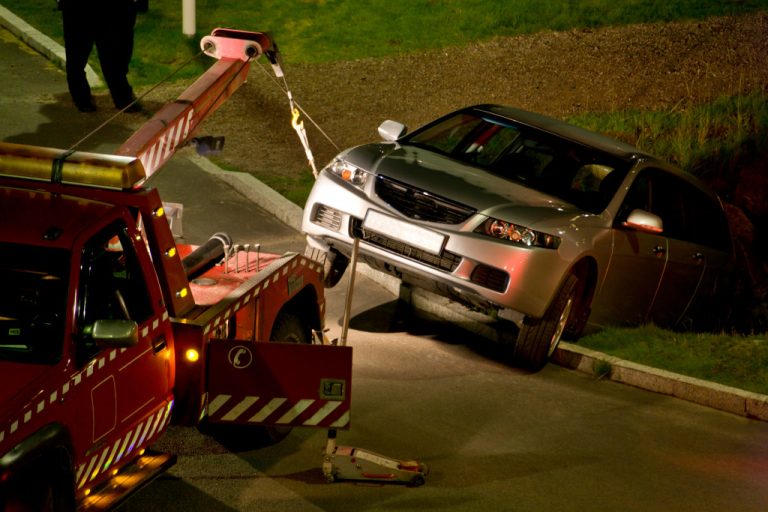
[[737, 361], [313, 31], [329, 30], [707, 136]]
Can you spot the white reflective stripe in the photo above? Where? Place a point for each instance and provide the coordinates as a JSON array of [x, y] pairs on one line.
[[159, 417], [322, 413], [111, 458], [267, 410], [294, 411], [240, 408], [125, 445], [146, 430], [216, 403], [87, 473], [133, 442], [99, 467], [80, 470], [343, 421]]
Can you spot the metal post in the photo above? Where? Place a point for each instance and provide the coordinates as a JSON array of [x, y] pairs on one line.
[[348, 302], [188, 17]]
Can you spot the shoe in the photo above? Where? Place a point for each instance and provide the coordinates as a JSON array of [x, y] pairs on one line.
[[131, 106], [134, 108], [86, 107]]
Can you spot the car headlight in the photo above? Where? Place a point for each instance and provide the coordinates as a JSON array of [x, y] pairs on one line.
[[517, 234], [348, 172]]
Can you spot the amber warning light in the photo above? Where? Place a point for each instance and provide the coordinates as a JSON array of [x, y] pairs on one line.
[[70, 167]]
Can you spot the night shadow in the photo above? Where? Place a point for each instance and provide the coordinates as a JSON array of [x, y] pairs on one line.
[[67, 126], [399, 316]]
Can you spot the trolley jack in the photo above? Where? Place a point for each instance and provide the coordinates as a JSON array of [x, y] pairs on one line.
[[350, 463]]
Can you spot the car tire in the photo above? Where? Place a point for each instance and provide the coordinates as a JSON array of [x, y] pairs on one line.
[[538, 337]]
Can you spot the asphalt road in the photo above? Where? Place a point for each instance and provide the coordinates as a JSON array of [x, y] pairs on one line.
[[495, 438]]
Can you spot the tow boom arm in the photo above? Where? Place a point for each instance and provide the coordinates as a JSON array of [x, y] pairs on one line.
[[173, 126]]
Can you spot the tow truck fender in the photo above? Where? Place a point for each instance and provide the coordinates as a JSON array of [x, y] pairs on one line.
[[51, 440]]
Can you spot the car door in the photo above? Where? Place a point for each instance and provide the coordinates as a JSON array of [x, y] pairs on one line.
[[636, 264], [695, 230]]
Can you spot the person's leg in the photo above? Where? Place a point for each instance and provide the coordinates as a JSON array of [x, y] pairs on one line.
[[114, 43], [78, 43]]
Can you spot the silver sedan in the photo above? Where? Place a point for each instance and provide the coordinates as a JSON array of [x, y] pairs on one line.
[[527, 217]]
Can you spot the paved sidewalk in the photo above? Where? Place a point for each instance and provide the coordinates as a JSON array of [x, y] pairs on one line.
[[29, 83]]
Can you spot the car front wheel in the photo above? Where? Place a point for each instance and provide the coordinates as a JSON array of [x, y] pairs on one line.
[[538, 337]]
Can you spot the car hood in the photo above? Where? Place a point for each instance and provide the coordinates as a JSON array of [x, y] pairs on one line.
[[471, 186]]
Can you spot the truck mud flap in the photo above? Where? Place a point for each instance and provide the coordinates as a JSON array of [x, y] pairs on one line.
[[279, 384]]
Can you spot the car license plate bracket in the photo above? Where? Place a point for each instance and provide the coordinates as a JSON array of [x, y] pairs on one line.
[[417, 236]]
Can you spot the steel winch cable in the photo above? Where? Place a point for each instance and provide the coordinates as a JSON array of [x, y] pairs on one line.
[[284, 87]]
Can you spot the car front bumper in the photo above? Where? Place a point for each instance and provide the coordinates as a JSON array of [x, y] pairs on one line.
[[467, 266]]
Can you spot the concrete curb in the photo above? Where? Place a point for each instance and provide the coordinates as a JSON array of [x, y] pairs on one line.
[[717, 396], [41, 43], [725, 398]]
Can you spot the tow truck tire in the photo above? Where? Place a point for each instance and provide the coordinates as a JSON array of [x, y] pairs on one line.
[[43, 487], [538, 337], [290, 328]]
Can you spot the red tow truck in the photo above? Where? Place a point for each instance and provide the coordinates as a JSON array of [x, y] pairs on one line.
[[110, 330]]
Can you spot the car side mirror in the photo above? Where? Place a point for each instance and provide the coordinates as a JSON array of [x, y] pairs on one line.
[[115, 333], [390, 131], [642, 220]]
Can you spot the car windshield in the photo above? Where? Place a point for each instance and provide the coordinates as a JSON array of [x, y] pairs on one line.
[[32, 303], [583, 176]]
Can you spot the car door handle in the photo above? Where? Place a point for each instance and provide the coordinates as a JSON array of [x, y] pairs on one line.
[[659, 250], [697, 257]]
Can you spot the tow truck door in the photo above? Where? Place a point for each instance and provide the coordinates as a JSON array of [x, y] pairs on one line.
[[279, 384], [127, 384]]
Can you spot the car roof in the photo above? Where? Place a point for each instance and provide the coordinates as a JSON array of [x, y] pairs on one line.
[[566, 131]]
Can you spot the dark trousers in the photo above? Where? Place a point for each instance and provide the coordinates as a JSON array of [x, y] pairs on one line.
[[109, 26]]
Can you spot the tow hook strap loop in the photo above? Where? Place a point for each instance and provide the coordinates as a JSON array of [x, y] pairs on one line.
[[302, 133]]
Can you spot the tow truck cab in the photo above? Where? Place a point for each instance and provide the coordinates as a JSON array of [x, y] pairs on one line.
[[106, 336]]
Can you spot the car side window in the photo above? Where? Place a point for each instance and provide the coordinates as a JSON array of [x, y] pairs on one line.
[[687, 212], [112, 285]]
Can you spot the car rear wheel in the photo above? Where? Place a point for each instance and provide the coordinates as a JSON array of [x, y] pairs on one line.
[[538, 337]]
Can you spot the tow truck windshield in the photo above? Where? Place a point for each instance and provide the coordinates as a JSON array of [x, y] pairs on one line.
[[32, 303]]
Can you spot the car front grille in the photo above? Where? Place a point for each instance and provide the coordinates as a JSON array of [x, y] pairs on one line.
[[419, 204], [446, 261]]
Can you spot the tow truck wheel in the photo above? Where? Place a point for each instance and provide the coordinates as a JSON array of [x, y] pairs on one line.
[[539, 337], [288, 327], [43, 487]]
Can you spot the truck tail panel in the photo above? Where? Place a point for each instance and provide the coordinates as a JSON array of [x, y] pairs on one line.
[[279, 384]]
